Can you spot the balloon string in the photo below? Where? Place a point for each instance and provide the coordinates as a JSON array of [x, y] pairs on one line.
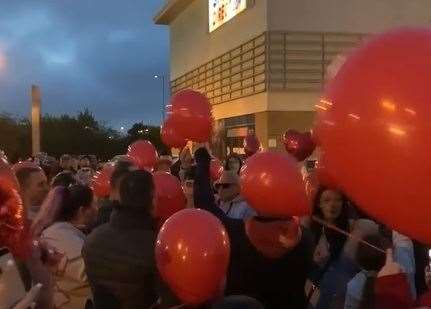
[[337, 229]]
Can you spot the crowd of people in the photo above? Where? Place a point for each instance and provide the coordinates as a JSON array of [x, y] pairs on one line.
[[99, 252]]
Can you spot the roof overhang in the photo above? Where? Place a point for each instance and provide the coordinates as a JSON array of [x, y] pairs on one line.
[[170, 11]]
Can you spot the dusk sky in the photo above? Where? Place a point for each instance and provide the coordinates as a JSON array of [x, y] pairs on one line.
[[100, 54]]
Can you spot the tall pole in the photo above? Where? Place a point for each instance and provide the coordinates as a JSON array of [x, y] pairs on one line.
[[35, 119]]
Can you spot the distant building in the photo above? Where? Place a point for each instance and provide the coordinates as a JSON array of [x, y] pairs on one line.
[[262, 63]]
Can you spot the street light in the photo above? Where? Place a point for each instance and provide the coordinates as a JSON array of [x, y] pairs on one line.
[[162, 78]]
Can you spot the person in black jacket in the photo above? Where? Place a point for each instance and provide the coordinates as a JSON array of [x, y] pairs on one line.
[[119, 256], [262, 265]]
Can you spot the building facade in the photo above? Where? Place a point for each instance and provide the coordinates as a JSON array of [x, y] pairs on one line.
[[262, 63]]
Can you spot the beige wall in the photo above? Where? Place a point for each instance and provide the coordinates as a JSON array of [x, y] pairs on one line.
[[242, 106], [266, 101], [363, 16], [292, 101], [191, 43], [261, 128]]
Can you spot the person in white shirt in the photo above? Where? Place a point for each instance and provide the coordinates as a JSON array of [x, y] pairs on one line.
[[65, 234], [230, 199]]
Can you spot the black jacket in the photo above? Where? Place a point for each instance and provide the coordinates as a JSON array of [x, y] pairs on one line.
[[105, 210], [277, 283], [120, 264]]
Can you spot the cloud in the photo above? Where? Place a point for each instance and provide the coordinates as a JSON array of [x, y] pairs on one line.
[[100, 54]]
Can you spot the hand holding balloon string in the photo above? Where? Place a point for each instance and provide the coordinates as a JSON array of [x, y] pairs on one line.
[[350, 235]]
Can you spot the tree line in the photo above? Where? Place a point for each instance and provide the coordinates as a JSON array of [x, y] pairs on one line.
[[75, 135]]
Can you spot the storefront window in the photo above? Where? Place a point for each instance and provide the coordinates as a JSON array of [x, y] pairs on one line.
[[236, 129]]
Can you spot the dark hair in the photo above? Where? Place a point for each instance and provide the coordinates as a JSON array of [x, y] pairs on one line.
[[190, 173], [237, 302], [233, 156], [24, 173], [336, 240], [122, 168], [64, 179], [85, 157], [75, 196], [370, 259], [202, 156], [65, 157], [137, 191]]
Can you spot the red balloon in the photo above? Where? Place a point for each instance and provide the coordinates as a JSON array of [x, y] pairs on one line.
[[143, 154], [251, 145], [7, 174], [192, 255], [191, 116], [12, 220], [170, 197], [374, 127], [323, 174], [101, 182], [299, 145], [272, 184], [216, 169], [170, 136]]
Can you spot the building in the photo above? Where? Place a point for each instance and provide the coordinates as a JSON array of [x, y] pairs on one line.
[[262, 63]]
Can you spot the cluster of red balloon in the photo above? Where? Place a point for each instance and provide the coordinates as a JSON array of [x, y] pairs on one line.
[[189, 119], [192, 250], [374, 129], [169, 194]]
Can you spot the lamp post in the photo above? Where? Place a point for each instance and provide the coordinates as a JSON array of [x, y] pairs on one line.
[[162, 78]]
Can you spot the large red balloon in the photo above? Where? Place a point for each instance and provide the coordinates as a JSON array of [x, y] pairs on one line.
[[170, 136], [251, 145], [170, 197], [323, 174], [299, 145], [143, 154], [12, 219], [273, 185], [101, 182], [191, 116], [216, 169], [192, 254], [374, 127]]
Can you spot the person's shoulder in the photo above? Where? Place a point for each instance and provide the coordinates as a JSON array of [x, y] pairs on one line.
[[99, 234], [55, 231]]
